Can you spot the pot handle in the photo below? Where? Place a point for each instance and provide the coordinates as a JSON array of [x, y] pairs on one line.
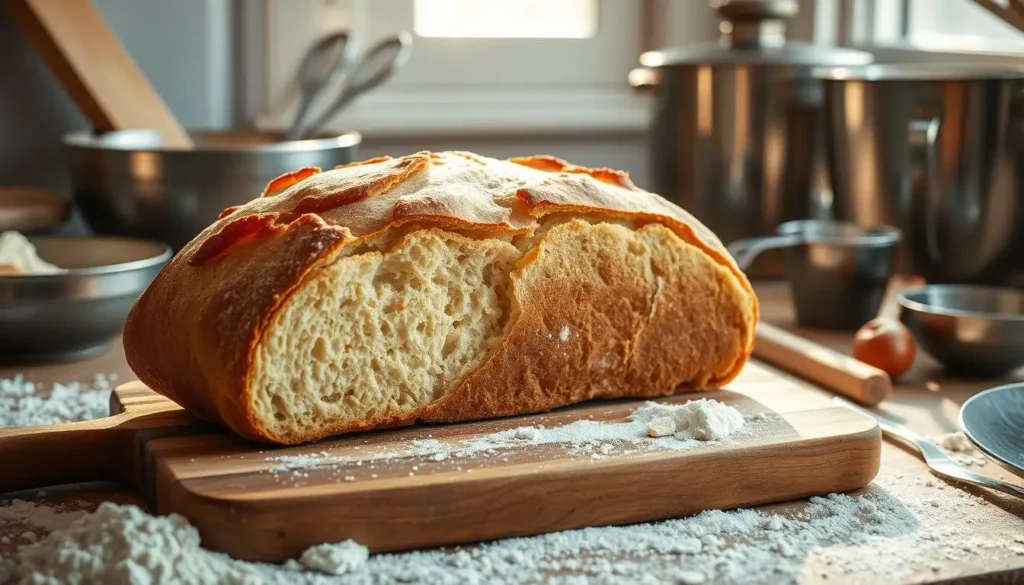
[[644, 79], [745, 251], [922, 136]]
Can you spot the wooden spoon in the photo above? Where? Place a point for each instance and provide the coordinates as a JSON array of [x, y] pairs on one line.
[[884, 342], [95, 68]]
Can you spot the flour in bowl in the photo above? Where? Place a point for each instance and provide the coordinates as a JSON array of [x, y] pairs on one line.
[[18, 257]]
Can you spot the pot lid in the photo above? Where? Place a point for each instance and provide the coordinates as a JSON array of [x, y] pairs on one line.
[[754, 33]]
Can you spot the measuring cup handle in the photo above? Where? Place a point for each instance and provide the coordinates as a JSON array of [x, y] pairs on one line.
[[922, 135], [745, 251]]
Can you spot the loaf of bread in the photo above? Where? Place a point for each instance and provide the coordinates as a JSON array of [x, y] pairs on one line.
[[438, 287]]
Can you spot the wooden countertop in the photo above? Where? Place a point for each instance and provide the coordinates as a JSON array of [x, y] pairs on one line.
[[924, 400]]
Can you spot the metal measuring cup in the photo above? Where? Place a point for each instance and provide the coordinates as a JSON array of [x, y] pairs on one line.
[[837, 271]]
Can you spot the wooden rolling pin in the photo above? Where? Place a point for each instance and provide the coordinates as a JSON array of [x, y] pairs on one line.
[[826, 367], [95, 69]]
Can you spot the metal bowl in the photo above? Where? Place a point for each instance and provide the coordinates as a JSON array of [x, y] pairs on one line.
[[933, 150], [971, 330], [74, 314], [127, 184], [994, 421]]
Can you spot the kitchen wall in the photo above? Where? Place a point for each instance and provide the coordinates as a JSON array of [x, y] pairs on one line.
[[188, 47], [180, 45], [185, 48]]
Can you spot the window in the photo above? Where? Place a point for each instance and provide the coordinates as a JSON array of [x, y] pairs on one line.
[[959, 25], [564, 19], [947, 27], [476, 65]]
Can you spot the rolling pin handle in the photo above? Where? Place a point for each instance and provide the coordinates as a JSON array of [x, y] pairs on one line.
[[828, 368]]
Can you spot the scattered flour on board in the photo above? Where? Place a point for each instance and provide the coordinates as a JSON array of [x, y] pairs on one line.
[[873, 534], [24, 403], [886, 533], [694, 423]]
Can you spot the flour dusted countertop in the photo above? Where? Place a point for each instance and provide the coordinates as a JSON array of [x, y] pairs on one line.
[[909, 526]]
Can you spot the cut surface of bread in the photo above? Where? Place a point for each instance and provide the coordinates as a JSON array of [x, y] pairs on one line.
[[438, 287]]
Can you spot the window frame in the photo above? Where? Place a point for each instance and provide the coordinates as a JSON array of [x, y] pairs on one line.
[[591, 100], [883, 27]]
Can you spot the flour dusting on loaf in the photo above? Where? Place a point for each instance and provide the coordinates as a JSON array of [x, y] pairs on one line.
[[438, 287]]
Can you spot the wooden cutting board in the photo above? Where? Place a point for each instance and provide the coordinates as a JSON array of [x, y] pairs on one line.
[[246, 505]]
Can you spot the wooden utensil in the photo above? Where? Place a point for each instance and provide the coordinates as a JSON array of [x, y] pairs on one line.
[[27, 209], [828, 368], [885, 342], [245, 505], [1012, 15], [95, 68]]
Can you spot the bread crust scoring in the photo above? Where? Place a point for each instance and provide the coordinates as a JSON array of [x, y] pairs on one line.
[[193, 333]]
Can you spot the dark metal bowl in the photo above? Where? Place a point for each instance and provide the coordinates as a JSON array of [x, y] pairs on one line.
[[994, 421], [74, 314], [127, 184], [971, 330]]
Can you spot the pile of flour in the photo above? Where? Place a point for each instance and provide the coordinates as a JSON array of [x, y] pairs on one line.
[[700, 420], [24, 403], [19, 256], [873, 534], [961, 449], [121, 544], [690, 425]]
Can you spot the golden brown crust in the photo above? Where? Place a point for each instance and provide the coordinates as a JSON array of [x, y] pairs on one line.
[[192, 334]]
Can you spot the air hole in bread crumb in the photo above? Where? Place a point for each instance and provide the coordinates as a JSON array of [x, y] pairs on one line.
[[332, 398], [320, 350]]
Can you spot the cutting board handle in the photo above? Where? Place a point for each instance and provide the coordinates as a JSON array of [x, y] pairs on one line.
[[41, 456], [104, 449]]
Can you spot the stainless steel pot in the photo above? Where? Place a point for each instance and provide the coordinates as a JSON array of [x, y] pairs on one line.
[[936, 151], [126, 184], [738, 127]]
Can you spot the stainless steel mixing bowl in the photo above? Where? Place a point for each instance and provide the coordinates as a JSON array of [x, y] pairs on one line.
[[971, 330], [936, 151], [75, 314], [126, 184], [737, 129]]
